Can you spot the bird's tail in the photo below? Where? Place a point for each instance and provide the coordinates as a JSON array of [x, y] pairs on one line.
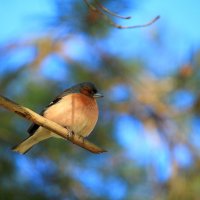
[[29, 142], [25, 145]]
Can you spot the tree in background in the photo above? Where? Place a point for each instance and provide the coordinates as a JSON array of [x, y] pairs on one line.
[[149, 124]]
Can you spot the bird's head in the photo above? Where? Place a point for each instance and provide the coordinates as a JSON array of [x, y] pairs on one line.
[[89, 89]]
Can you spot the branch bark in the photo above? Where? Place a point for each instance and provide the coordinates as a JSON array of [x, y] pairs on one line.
[[48, 124]]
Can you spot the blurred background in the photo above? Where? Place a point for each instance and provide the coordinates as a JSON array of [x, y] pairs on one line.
[[149, 118]]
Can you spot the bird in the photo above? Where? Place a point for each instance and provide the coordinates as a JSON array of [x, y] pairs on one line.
[[75, 108]]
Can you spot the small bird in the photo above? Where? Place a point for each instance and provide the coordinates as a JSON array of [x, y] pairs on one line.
[[75, 108]]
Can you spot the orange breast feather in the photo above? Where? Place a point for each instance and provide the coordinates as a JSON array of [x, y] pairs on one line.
[[77, 111]]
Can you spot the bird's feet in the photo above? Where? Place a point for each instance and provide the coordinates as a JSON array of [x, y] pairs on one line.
[[70, 133]]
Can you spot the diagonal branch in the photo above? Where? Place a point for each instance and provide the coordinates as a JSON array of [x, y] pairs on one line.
[[48, 124]]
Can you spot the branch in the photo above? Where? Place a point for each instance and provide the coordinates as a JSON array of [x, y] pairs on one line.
[[138, 26], [112, 13], [48, 124], [101, 9]]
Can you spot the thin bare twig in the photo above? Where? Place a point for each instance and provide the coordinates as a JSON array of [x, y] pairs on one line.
[[48, 124], [112, 13], [138, 26], [95, 9], [90, 6]]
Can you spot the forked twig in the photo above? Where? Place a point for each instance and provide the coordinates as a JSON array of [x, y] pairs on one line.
[[102, 8]]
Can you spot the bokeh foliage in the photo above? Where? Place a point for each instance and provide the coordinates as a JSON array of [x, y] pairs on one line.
[[56, 169]]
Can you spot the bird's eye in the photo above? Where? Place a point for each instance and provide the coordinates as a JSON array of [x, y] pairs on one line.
[[94, 91], [89, 91]]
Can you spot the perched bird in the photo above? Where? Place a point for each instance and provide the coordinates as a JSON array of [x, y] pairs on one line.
[[76, 108]]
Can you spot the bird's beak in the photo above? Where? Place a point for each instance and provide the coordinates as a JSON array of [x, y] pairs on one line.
[[97, 95]]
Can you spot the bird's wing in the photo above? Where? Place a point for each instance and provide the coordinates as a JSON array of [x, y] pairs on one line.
[[31, 130]]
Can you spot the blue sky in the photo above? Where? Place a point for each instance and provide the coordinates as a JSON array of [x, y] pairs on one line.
[[19, 18]]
